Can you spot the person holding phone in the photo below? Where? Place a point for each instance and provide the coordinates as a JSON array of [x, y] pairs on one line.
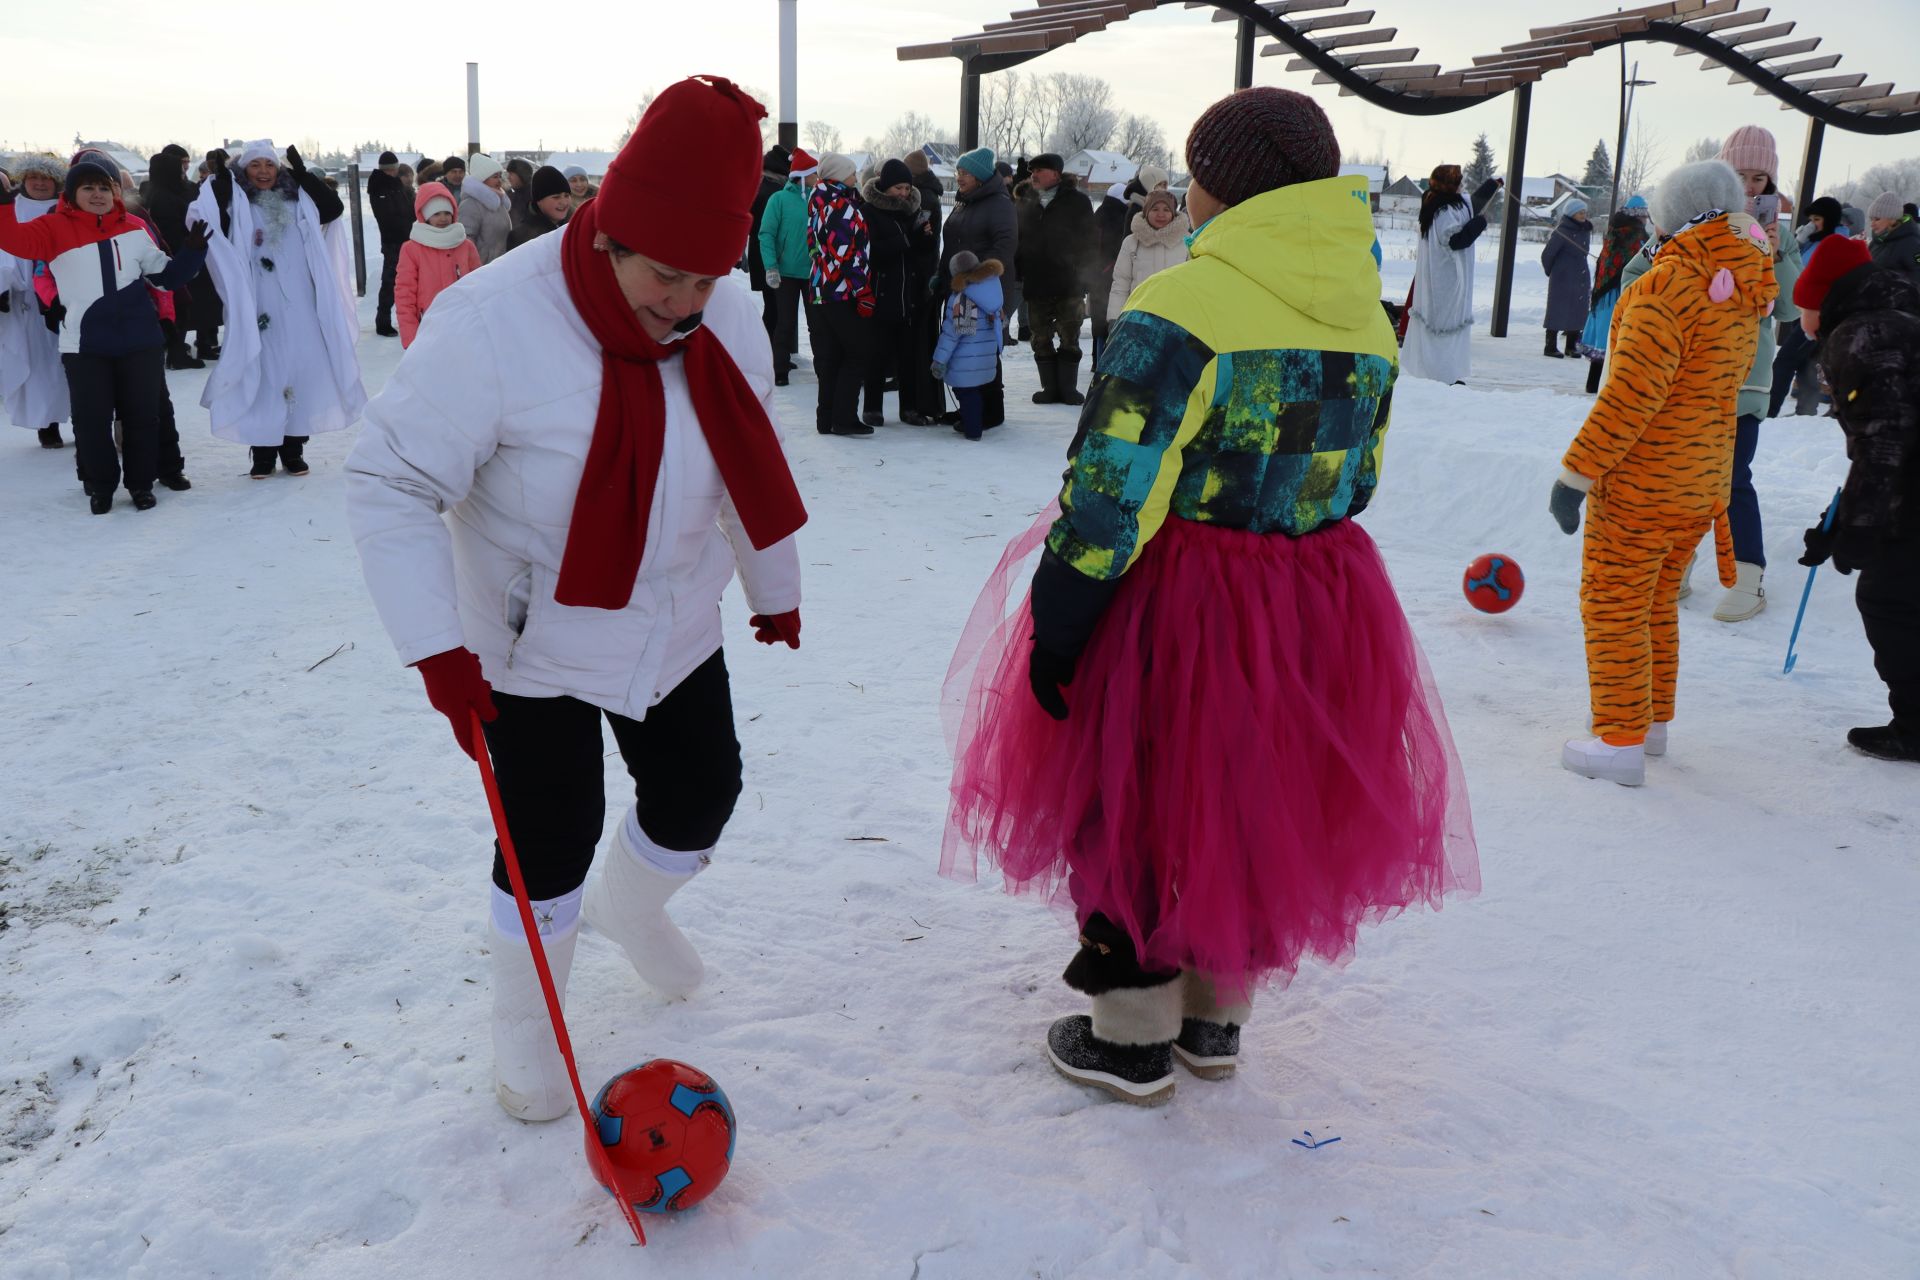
[[1751, 152]]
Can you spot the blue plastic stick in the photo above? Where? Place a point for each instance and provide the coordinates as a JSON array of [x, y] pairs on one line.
[[1833, 509]]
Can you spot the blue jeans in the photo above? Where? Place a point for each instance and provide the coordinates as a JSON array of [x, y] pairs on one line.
[[972, 405], [1795, 356], [1743, 507]]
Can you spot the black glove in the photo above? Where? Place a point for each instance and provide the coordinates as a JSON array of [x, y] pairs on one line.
[[6, 303], [223, 186], [295, 163], [1048, 673], [1564, 502], [56, 316], [1819, 541], [6, 193]]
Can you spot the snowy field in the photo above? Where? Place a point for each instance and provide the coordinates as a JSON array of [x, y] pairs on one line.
[[243, 1019]]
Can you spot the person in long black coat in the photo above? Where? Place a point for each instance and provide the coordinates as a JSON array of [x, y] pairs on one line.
[[922, 399], [166, 195], [1058, 247], [1569, 278], [393, 211], [984, 224], [774, 168], [892, 205]]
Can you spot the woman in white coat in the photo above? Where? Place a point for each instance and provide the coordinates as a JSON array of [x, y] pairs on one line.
[[289, 369], [486, 211], [33, 382], [549, 498], [1440, 326], [1157, 241]]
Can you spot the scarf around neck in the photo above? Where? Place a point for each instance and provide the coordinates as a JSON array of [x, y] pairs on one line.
[[447, 237], [608, 533]]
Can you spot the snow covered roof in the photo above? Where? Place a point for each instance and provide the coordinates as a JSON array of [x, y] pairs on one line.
[[1101, 168], [1375, 174], [1403, 186], [1541, 190], [132, 162]]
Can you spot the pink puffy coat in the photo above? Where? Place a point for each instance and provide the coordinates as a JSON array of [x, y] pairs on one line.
[[424, 270]]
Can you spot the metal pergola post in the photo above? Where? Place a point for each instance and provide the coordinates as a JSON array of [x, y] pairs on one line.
[[1512, 210], [1809, 169], [969, 106], [1243, 51]]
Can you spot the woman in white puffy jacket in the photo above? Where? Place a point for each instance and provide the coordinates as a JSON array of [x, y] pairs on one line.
[[1158, 241], [549, 498]]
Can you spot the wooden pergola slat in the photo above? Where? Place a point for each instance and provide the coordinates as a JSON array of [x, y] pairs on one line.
[[1371, 57], [1826, 82]]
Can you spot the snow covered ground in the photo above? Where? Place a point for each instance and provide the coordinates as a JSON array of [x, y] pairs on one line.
[[242, 875]]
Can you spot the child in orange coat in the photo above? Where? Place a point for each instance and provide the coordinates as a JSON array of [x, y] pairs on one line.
[[1656, 456], [437, 253]]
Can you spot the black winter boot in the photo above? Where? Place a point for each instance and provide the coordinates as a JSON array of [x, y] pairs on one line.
[[1067, 364], [1573, 344], [50, 437], [177, 482], [179, 355], [264, 457], [99, 503], [1138, 1073], [1885, 742], [291, 457], [1553, 347], [1208, 1045], [1593, 376], [145, 501], [1049, 370]]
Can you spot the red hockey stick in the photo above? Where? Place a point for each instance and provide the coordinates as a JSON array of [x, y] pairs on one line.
[[596, 1154]]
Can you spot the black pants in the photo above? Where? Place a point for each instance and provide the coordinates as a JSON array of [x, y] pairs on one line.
[[203, 312], [132, 387], [389, 269], [923, 331], [684, 759], [1889, 601], [892, 355], [786, 323], [842, 346], [769, 312]]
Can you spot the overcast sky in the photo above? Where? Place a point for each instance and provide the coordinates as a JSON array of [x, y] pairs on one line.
[[350, 70]]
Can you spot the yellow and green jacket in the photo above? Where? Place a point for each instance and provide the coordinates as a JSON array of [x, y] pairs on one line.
[[1247, 387]]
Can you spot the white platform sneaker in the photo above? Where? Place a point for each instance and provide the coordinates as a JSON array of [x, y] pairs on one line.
[[529, 1077], [1596, 758], [1744, 598], [628, 902]]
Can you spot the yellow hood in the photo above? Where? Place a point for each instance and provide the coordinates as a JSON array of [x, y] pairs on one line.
[[1310, 245]]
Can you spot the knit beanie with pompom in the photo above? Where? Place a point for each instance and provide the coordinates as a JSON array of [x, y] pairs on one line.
[[1257, 140]]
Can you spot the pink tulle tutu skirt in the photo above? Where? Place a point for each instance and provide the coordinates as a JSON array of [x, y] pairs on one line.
[[1256, 763]]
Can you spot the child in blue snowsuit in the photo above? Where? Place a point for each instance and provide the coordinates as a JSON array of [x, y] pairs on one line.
[[969, 346]]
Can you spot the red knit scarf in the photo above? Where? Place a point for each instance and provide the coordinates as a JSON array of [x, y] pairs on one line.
[[610, 512]]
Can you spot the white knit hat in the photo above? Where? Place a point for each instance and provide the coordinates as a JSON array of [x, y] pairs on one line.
[[835, 167], [1885, 205], [258, 149], [1151, 176], [481, 166]]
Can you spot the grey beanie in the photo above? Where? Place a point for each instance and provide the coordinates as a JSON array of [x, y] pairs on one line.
[[1694, 189], [835, 167], [1885, 205]]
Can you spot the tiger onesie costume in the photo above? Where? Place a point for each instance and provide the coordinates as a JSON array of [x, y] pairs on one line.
[[1656, 457]]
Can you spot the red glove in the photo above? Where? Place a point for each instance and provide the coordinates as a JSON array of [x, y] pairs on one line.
[[456, 689], [781, 626]]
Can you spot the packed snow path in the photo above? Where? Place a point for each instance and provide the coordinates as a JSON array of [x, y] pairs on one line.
[[243, 1012]]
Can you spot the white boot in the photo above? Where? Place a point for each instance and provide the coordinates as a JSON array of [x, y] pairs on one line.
[[529, 1076], [1596, 758], [1745, 597], [1656, 743], [628, 904]]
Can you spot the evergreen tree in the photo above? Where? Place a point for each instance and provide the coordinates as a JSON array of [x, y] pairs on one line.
[[1599, 167], [1482, 167]]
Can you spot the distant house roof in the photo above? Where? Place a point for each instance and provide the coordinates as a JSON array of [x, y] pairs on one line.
[[1543, 189], [1375, 174], [1101, 168], [133, 162], [596, 163], [1403, 186]]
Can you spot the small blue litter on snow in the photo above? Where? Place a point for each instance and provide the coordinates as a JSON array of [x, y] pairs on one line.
[[1312, 1143]]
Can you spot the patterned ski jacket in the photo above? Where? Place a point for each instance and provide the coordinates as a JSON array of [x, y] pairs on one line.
[[1247, 387], [1657, 446], [840, 247]]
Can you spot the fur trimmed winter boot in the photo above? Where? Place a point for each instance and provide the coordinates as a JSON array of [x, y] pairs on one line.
[[1208, 1045], [1598, 758], [1125, 1047], [529, 1076], [628, 903], [1745, 597]]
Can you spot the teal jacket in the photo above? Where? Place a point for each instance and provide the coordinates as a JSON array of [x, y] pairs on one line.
[[783, 232]]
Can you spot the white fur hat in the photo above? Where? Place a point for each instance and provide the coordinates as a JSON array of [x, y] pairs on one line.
[[481, 166], [1152, 176], [258, 149], [1694, 189]]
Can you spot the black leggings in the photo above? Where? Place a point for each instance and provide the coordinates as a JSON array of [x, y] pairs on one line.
[[684, 760]]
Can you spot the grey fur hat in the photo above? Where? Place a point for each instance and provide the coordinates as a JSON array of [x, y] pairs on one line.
[[1694, 189], [40, 162], [963, 262]]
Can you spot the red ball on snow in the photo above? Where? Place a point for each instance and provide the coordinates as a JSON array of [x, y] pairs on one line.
[[1494, 583], [668, 1131]]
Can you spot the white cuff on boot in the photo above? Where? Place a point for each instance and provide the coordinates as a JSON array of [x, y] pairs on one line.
[[553, 917], [1138, 1015]]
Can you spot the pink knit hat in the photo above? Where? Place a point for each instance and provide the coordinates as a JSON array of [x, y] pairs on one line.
[[1750, 148]]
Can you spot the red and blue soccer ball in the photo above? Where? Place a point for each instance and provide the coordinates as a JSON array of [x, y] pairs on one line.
[[1494, 583], [668, 1131]]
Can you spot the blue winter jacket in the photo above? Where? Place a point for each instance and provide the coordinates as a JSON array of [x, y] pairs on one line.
[[970, 359]]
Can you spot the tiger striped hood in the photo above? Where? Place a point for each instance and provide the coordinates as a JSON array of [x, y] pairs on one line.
[[1729, 257]]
